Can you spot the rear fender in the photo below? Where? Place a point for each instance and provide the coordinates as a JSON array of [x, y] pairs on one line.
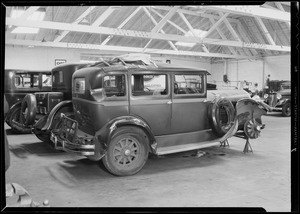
[[248, 109], [103, 136], [65, 103], [16, 105]]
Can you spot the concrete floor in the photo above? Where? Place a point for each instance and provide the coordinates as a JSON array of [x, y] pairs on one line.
[[223, 177]]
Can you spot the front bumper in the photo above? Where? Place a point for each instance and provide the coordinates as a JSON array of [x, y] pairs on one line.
[[69, 138]]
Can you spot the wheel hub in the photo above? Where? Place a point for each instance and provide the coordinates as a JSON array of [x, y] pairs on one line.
[[127, 152]]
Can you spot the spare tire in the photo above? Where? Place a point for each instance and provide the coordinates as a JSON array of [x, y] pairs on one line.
[[221, 116], [28, 109]]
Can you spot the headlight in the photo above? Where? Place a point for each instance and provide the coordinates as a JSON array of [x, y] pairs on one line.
[[278, 96], [79, 85], [266, 96]]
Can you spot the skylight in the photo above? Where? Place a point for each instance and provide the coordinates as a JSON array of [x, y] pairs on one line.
[[198, 32], [36, 16]]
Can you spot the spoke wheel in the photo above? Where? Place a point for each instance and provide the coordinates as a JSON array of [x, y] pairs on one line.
[[127, 152], [286, 110], [252, 129]]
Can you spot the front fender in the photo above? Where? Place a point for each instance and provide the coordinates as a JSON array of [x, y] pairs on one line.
[[103, 136], [54, 112]]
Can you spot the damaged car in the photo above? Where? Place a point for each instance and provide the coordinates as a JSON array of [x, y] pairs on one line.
[[128, 107]]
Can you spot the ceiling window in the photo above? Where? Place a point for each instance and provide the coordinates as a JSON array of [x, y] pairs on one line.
[[36, 16], [198, 32]]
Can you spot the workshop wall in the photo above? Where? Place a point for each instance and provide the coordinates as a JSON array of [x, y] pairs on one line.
[[255, 71], [37, 58]]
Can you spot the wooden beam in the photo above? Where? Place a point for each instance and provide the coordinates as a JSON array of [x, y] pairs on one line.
[[121, 49], [103, 16], [65, 32], [165, 19], [204, 48], [123, 23], [216, 24], [254, 11], [154, 21], [223, 36], [139, 34], [265, 30]]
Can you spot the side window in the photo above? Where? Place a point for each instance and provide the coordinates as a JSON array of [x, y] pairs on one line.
[[149, 85], [26, 80], [114, 85], [189, 84], [57, 77], [46, 80]]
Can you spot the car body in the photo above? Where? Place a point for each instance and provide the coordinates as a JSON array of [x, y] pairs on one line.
[[124, 110], [18, 83], [278, 97]]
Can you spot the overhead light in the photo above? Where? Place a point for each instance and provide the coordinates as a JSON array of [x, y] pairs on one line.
[[36, 16], [198, 32]]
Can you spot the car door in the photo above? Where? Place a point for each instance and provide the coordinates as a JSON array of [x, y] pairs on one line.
[[189, 106], [150, 99]]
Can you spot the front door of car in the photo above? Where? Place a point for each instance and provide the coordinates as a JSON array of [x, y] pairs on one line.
[[189, 106], [150, 99]]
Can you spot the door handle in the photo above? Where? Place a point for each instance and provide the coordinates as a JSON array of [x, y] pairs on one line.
[[169, 102]]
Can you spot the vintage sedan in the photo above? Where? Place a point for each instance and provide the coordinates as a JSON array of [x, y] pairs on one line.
[[126, 108]]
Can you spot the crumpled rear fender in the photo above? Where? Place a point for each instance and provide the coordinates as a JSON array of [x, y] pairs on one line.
[[248, 109]]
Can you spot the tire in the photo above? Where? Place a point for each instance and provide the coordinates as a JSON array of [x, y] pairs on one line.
[[221, 116], [28, 109], [15, 116], [286, 109], [127, 151]]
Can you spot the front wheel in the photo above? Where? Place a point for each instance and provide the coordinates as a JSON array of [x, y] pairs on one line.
[[127, 152], [286, 109]]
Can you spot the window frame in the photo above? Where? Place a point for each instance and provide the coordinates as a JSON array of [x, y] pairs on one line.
[[124, 97], [151, 97], [195, 95]]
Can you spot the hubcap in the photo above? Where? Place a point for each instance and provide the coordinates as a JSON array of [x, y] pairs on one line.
[[126, 151]]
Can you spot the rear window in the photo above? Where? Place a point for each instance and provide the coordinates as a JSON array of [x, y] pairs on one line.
[[189, 84], [114, 85], [149, 85]]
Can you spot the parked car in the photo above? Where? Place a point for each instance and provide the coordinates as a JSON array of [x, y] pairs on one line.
[[19, 83], [125, 109], [37, 111], [278, 97]]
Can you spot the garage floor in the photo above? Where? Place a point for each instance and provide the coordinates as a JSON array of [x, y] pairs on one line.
[[223, 177]]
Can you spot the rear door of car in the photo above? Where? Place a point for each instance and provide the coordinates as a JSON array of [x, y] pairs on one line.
[[150, 99]]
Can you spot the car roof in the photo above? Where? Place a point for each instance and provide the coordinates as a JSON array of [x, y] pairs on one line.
[[163, 67]]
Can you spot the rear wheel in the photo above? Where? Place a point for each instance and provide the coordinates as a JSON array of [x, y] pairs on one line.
[[286, 109], [15, 120], [127, 152]]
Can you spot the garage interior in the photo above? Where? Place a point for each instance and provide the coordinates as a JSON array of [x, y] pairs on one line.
[[235, 44]]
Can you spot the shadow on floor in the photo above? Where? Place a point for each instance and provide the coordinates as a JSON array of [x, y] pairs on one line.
[[85, 169], [37, 148]]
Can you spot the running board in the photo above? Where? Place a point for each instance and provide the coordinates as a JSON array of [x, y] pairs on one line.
[[184, 147]]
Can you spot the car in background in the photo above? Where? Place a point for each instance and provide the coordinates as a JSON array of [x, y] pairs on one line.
[[126, 107], [17, 84], [278, 96], [37, 111]]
